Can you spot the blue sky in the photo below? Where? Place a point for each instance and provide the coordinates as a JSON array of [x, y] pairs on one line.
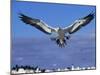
[[31, 46], [53, 14]]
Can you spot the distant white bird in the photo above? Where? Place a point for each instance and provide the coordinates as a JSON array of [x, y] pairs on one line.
[[60, 35]]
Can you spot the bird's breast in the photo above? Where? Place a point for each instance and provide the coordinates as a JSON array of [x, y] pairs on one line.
[[61, 34]]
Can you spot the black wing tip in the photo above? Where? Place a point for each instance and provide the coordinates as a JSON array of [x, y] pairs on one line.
[[24, 18], [22, 15], [91, 15]]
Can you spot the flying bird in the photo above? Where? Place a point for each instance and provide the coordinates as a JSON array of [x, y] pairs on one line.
[[59, 35]]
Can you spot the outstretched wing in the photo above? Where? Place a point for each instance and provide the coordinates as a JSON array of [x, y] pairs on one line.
[[37, 23], [78, 24]]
